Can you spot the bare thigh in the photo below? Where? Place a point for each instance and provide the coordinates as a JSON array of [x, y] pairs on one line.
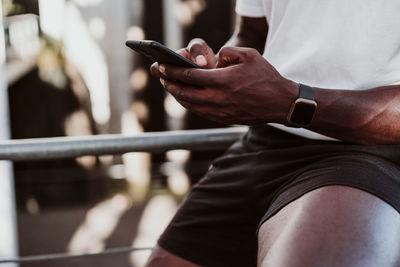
[[332, 226]]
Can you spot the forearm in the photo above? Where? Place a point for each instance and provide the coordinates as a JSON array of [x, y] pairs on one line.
[[369, 117]]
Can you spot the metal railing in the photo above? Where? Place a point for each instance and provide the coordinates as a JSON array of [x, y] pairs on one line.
[[69, 147]]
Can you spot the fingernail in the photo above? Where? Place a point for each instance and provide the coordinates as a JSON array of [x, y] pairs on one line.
[[162, 81], [162, 68], [201, 60]]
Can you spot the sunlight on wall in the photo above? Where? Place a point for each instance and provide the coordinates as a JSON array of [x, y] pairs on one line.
[[84, 53], [155, 217], [52, 17], [197, 6], [87, 3], [77, 124], [186, 12], [135, 33], [97, 28], [178, 181], [139, 79], [62, 21], [141, 110], [178, 155], [24, 36], [32, 206], [173, 108], [137, 165], [116, 171], [99, 224]]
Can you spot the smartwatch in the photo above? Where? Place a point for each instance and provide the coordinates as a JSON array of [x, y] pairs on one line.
[[303, 109]]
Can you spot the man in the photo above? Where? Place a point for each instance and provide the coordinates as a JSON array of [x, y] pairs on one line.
[[324, 190]]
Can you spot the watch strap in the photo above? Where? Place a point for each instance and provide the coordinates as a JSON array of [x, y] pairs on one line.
[[306, 92]]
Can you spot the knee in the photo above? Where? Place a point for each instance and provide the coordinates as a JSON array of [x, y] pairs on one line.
[[332, 226]]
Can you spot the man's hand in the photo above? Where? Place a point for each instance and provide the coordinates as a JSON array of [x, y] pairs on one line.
[[243, 88], [197, 51]]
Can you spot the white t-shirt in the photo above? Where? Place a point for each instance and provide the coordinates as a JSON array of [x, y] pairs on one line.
[[332, 44]]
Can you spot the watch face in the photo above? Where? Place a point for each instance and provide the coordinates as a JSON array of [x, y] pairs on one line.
[[303, 112]]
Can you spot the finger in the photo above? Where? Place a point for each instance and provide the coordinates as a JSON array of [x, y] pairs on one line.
[[200, 110], [235, 55], [199, 50], [198, 77], [204, 112], [187, 105], [154, 70], [184, 53], [186, 93]]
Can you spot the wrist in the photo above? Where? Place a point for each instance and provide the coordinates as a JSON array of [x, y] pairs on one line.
[[289, 94], [302, 110]]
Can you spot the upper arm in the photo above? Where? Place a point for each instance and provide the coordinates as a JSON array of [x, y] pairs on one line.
[[251, 32], [251, 25]]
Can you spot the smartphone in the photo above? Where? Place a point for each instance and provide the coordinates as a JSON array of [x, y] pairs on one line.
[[157, 52]]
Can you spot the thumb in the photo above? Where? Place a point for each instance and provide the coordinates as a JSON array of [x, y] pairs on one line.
[[201, 53]]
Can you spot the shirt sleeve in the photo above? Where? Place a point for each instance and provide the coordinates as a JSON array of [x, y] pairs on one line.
[[250, 8]]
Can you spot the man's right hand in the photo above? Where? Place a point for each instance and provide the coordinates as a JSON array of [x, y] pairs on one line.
[[197, 51]]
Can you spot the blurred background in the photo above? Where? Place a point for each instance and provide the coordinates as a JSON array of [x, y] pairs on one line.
[[68, 73]]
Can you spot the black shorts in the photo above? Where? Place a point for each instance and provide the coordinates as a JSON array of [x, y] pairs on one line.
[[260, 174]]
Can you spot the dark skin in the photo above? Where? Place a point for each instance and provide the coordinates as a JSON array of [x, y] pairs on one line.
[[333, 226], [240, 87], [342, 226]]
